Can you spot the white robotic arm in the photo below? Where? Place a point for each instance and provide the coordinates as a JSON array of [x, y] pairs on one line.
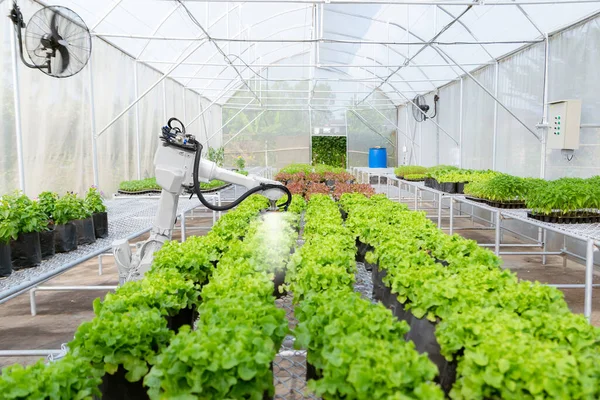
[[177, 165]]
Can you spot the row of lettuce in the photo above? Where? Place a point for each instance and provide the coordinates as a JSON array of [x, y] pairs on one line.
[[543, 197], [130, 336], [355, 347], [511, 339], [308, 180]]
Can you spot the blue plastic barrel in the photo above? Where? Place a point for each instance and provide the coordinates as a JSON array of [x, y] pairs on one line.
[[378, 157]]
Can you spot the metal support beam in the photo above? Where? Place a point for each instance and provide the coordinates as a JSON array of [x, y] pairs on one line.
[[545, 109], [244, 128], [460, 125], [93, 125], [368, 125], [110, 9], [429, 119], [495, 127], [487, 91], [227, 122], [409, 60], [150, 88], [138, 144], [17, 108]]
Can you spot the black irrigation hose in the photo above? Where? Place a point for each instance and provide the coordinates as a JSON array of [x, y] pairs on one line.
[[260, 188]]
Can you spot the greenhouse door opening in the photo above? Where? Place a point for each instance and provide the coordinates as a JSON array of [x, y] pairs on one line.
[[330, 150]]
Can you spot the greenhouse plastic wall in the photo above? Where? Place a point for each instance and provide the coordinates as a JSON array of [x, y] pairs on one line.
[[56, 120], [520, 88], [282, 133]]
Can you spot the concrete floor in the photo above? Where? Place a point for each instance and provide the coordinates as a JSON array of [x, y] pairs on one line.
[[60, 313]]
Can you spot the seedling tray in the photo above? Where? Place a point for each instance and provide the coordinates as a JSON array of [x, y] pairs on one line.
[[136, 193], [477, 199], [415, 180], [506, 204], [576, 217]]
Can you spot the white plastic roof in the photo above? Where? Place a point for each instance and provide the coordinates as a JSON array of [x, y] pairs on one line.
[[402, 49]]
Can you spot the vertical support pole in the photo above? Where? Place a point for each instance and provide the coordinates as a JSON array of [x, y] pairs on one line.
[[164, 96], [451, 215], [266, 154], [32, 304], [495, 137], [544, 247], [219, 203], [589, 276], [137, 122], [93, 123], [182, 226], [185, 105], [460, 126], [100, 264], [420, 162], [17, 107], [408, 133], [564, 257], [497, 239], [545, 109], [440, 199], [416, 197]]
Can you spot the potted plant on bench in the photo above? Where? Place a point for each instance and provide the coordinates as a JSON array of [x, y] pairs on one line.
[[95, 203]]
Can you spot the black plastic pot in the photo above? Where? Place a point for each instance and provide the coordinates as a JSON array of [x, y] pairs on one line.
[[26, 251], [448, 187], [85, 231], [422, 334], [330, 183], [65, 237], [186, 316], [116, 387], [430, 183], [311, 371], [343, 213], [361, 251], [278, 280], [380, 291], [460, 187], [47, 242], [100, 224], [5, 260]]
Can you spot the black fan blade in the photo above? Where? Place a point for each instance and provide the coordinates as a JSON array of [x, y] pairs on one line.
[[66, 58], [53, 28]]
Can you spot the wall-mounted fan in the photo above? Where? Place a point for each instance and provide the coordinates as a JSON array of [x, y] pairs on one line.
[[420, 108], [56, 39]]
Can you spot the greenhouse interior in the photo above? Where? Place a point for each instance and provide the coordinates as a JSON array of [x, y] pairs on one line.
[[300, 199]]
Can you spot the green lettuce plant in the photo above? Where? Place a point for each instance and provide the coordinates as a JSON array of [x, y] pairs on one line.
[[129, 339], [69, 378]]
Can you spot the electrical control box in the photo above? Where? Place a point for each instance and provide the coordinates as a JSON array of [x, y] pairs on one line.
[[564, 120]]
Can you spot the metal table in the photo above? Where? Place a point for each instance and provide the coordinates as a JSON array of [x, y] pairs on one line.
[[128, 218], [587, 233]]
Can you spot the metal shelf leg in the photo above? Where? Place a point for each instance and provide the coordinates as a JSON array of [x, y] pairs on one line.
[[589, 276], [451, 214], [497, 243]]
